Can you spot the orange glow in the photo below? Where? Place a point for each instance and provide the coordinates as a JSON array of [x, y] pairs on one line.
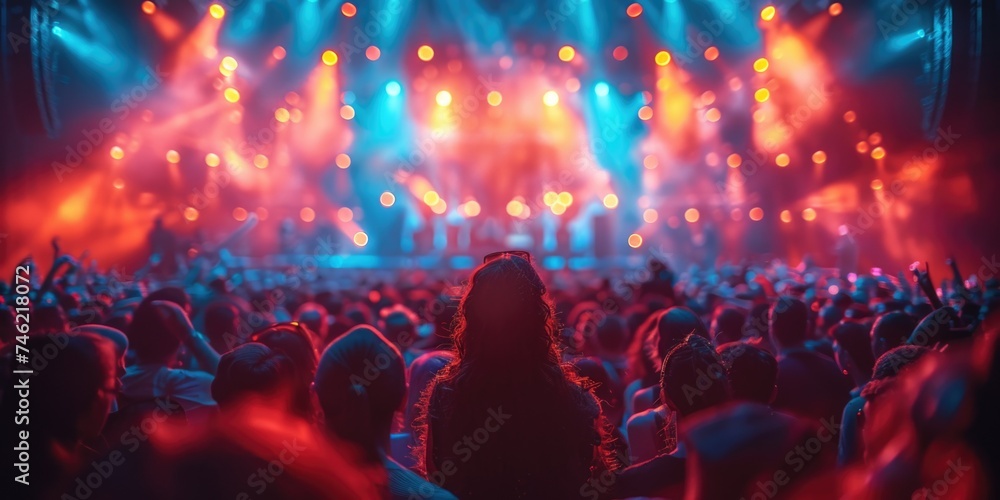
[[307, 214], [711, 53], [634, 240], [620, 53], [835, 9], [494, 98], [610, 201], [330, 57], [760, 65], [782, 160], [691, 215], [228, 64], [343, 160], [345, 214], [281, 114], [650, 215], [850, 116], [360, 238], [387, 199], [212, 160], [191, 214], [877, 184], [279, 53], [573, 85], [650, 162], [217, 11], [347, 112], [875, 138], [786, 216], [232, 95], [373, 53], [713, 115], [861, 147], [260, 161], [240, 214], [148, 7], [173, 156], [712, 159], [567, 53], [118, 184], [767, 13], [348, 9], [117, 152], [734, 160], [662, 58], [645, 113], [471, 208], [756, 213], [515, 208], [707, 97], [431, 198], [425, 53], [878, 153], [809, 215], [762, 95], [819, 157], [440, 207], [634, 10]]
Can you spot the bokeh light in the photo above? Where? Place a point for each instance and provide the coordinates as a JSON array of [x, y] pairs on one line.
[[307, 214], [610, 200], [691, 215], [756, 213], [387, 199], [634, 240], [425, 53]]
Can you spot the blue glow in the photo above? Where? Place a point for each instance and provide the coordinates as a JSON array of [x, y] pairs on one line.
[[393, 88], [57, 31], [921, 33], [349, 97], [601, 89]]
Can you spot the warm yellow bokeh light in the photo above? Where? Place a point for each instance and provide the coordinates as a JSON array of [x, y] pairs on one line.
[[261, 161], [567, 53], [443, 98], [819, 157], [212, 160], [217, 11], [760, 65], [762, 95], [551, 98], [782, 160], [431, 198], [231, 94], [767, 13], [650, 215], [691, 215], [645, 113], [878, 153], [330, 57], [610, 201], [117, 152], [425, 53], [343, 160], [634, 240], [387, 199], [360, 238], [662, 58], [786, 216], [809, 214], [494, 98], [173, 156]]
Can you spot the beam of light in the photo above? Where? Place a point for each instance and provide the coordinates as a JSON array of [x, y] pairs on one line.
[[322, 118], [92, 55], [166, 26]]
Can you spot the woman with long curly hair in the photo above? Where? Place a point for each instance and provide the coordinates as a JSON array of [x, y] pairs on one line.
[[506, 419]]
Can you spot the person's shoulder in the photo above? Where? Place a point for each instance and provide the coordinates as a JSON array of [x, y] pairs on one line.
[[404, 483]]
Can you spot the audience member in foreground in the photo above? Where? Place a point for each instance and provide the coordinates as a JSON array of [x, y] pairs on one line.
[[360, 384], [506, 419]]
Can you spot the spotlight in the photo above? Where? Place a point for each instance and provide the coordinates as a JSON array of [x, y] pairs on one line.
[[393, 88], [601, 89], [217, 11], [551, 98]]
